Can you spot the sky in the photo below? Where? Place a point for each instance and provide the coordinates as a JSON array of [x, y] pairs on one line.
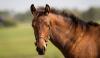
[[23, 5]]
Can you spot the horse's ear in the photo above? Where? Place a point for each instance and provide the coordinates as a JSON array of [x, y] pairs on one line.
[[33, 9], [47, 9]]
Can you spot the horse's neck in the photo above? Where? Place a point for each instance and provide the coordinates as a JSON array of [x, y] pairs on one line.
[[61, 33]]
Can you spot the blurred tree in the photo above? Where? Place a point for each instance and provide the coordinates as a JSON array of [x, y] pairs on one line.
[[91, 14], [4, 13], [24, 17], [6, 19]]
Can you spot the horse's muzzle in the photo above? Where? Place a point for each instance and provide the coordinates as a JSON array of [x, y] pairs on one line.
[[41, 51]]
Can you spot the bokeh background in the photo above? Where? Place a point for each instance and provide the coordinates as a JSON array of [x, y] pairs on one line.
[[16, 33]]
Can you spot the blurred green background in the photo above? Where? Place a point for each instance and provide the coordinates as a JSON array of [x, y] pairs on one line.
[[18, 42], [17, 35]]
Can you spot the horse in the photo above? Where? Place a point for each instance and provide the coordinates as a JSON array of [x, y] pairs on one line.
[[75, 38]]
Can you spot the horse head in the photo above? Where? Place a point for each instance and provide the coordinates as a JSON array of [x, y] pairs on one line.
[[40, 25]]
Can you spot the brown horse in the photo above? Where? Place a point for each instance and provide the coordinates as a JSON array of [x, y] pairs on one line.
[[74, 37]]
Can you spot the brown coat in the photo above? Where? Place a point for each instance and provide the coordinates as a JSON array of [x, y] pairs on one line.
[[74, 37]]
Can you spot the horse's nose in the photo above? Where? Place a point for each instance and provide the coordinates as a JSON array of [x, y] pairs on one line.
[[41, 51]]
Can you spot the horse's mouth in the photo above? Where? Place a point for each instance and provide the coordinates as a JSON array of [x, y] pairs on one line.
[[40, 51]]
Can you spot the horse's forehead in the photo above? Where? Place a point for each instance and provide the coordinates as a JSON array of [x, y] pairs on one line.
[[40, 10], [43, 18]]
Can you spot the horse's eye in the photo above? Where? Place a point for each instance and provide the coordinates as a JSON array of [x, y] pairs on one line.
[[33, 24], [47, 24]]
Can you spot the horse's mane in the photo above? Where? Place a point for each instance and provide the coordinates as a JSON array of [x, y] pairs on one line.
[[76, 20]]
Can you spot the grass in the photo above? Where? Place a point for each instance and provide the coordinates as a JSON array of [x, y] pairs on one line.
[[18, 42]]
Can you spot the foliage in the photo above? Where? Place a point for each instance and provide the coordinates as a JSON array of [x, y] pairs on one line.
[[23, 17], [7, 23], [4, 13], [91, 14], [6, 19]]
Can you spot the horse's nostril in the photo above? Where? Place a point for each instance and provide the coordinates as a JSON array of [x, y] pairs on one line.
[[44, 48], [46, 44], [37, 49], [35, 43]]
